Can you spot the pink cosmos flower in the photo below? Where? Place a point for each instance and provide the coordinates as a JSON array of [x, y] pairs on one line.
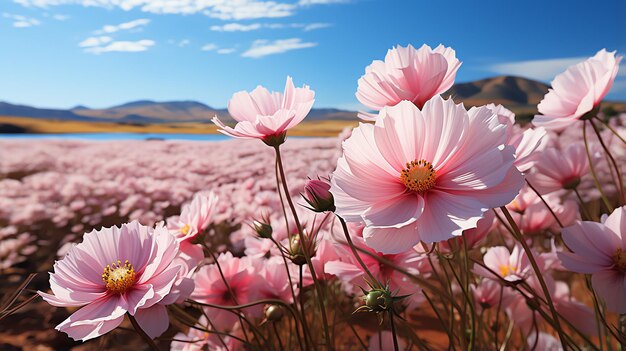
[[198, 339], [423, 175], [243, 280], [349, 271], [533, 217], [599, 249], [407, 74], [267, 116], [578, 91], [527, 143], [194, 217], [510, 266], [115, 271], [560, 169]]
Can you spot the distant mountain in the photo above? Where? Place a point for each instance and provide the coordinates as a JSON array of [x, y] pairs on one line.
[[518, 94], [512, 92]]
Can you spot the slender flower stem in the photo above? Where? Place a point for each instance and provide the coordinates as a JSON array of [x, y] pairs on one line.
[[142, 333], [356, 254], [280, 343], [620, 183], [305, 327], [316, 282], [558, 221], [582, 205], [518, 236], [393, 331], [606, 201], [608, 126]]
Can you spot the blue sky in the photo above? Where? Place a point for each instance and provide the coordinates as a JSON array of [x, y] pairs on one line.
[[99, 53]]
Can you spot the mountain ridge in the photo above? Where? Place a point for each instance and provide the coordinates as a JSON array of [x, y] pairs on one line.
[[516, 93]]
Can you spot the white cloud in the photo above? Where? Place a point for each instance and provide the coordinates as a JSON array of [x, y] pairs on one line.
[[123, 26], [225, 51], [314, 26], [61, 17], [236, 27], [95, 41], [122, 46], [184, 42], [262, 47], [222, 9], [544, 70], [20, 21], [321, 2], [209, 47]]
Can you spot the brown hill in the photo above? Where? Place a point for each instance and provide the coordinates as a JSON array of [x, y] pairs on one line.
[[518, 94]]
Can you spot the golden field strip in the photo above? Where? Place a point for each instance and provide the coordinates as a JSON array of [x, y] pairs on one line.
[[49, 126]]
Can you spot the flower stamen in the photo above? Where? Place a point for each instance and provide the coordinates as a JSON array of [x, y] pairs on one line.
[[619, 259], [418, 176], [119, 278]]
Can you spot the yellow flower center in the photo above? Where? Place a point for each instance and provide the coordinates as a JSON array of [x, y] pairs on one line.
[[619, 258], [505, 270], [185, 229], [418, 176], [119, 278]]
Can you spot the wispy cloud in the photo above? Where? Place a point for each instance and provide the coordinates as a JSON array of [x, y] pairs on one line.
[[226, 51], [122, 46], [184, 43], [313, 26], [544, 70], [61, 17], [209, 47], [95, 41], [225, 10], [138, 23], [237, 27], [261, 47], [20, 21], [321, 2]]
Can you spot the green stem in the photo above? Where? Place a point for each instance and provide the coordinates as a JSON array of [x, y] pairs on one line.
[[393, 331], [316, 282], [596, 181], [142, 333], [608, 126], [356, 254], [558, 221], [518, 236], [620, 183]]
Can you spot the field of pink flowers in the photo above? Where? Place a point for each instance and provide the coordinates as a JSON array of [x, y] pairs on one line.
[[430, 226]]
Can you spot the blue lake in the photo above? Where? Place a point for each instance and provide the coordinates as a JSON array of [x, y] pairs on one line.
[[117, 136]]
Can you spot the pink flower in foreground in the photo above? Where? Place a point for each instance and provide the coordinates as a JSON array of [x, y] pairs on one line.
[[423, 175], [560, 169], [267, 116], [599, 249], [578, 91], [407, 74], [115, 271]]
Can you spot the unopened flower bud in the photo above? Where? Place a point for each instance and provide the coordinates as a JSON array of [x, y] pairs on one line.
[[296, 249], [317, 194], [264, 230], [274, 313]]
